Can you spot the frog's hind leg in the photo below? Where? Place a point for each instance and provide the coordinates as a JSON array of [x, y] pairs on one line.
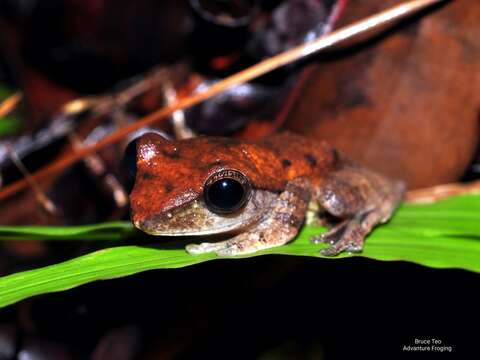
[[279, 226], [361, 199]]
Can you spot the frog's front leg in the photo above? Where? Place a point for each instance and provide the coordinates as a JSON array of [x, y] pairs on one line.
[[361, 199], [280, 224]]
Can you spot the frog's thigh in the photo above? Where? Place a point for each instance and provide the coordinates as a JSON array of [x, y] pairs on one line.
[[351, 191], [362, 199], [277, 228]]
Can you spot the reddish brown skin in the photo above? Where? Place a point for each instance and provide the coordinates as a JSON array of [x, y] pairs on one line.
[[287, 174], [178, 170]]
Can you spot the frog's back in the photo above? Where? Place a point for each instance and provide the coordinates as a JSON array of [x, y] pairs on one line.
[[172, 173], [301, 156]]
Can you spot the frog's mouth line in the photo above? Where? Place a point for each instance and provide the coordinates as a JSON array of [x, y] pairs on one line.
[[153, 227], [220, 230], [194, 219], [232, 229]]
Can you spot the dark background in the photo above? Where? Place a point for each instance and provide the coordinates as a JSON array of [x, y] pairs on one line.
[[268, 307], [291, 307]]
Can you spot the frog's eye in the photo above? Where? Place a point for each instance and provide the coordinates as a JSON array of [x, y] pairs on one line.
[[226, 191]]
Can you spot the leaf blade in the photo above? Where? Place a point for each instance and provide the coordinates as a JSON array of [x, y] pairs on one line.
[[441, 235]]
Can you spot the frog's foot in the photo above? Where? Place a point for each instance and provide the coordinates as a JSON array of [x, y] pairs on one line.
[[204, 247], [279, 226], [332, 235], [348, 236], [242, 244], [362, 199]]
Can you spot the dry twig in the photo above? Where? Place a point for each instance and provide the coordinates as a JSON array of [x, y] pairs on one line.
[[381, 20], [9, 104], [436, 193]]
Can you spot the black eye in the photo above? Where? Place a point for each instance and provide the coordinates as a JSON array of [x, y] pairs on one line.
[[226, 192]]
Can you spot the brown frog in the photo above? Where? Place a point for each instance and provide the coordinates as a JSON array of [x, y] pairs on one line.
[[257, 191]]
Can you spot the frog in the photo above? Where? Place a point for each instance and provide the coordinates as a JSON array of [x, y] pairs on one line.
[[256, 194]]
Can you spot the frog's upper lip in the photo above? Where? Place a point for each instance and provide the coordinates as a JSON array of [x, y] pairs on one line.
[[197, 220], [151, 230]]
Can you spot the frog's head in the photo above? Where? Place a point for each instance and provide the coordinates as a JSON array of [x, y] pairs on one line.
[[194, 187]]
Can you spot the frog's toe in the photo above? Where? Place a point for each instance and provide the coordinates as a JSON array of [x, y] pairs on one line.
[[350, 240], [229, 251], [339, 248], [203, 248], [224, 248], [240, 245], [332, 236]]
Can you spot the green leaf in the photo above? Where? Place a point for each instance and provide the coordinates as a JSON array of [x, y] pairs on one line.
[[441, 235], [106, 231]]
